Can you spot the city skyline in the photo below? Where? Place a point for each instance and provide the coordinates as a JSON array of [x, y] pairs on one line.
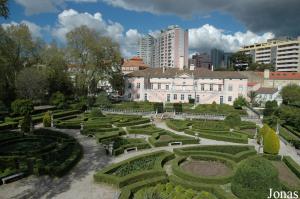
[[209, 27]]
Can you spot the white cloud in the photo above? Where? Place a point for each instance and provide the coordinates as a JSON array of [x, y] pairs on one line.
[[35, 30], [130, 43], [70, 19], [207, 37]]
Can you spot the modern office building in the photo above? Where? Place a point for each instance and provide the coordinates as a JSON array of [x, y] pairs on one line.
[[217, 58], [174, 85], [283, 53], [200, 60], [146, 50], [168, 49]]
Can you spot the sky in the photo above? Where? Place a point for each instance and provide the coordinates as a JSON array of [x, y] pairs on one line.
[[223, 24]]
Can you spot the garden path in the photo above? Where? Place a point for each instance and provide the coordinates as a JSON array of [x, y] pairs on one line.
[[78, 183]]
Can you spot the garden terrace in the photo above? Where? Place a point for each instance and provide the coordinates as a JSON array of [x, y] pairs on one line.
[[164, 138], [140, 106], [139, 168], [42, 152], [290, 136], [232, 152], [120, 144]]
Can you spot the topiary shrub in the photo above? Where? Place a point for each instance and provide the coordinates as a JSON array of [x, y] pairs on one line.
[[47, 119], [271, 142], [239, 102], [233, 120], [262, 132], [254, 177], [26, 123]]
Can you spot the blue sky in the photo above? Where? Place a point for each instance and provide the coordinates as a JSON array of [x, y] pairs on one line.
[[211, 23]]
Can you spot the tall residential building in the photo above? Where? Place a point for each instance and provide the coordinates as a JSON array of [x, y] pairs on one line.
[[201, 60], [146, 50], [173, 47], [284, 54], [168, 49]]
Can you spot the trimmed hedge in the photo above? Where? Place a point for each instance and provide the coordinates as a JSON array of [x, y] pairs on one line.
[[154, 139], [132, 123], [178, 171], [292, 165], [178, 125], [214, 189], [220, 135], [128, 191], [9, 125], [106, 175], [147, 129], [234, 152]]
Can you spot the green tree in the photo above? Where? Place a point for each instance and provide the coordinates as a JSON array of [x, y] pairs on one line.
[[239, 60], [254, 177], [233, 120], [23, 107], [31, 83], [57, 70], [271, 142], [270, 108], [4, 11], [95, 56], [291, 94], [58, 99], [252, 95], [103, 101], [117, 81], [239, 102]]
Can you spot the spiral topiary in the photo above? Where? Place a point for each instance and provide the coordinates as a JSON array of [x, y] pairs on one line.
[[253, 179]]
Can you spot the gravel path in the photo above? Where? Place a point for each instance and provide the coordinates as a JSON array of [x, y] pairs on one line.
[[77, 184]]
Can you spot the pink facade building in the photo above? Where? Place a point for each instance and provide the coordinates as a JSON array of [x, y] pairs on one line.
[[173, 85]]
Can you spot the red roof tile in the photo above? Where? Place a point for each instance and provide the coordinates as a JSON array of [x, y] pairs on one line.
[[282, 75]]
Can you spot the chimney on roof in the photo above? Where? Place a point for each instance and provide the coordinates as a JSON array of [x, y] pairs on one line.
[[266, 74]]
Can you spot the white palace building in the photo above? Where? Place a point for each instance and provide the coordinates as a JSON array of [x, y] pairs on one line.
[[174, 85]]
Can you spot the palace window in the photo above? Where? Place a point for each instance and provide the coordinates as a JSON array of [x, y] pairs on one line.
[[182, 97], [168, 97], [229, 98], [175, 96], [221, 99], [230, 88], [220, 88], [158, 86], [197, 99], [145, 97], [202, 87], [189, 96], [129, 85], [167, 87], [211, 87], [138, 85]]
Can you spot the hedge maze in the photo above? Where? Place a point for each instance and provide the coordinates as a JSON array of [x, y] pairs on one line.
[[193, 172], [42, 152]]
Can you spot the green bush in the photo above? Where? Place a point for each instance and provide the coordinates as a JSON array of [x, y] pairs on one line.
[[233, 120], [239, 102], [96, 112], [253, 179], [177, 107], [26, 123], [271, 142], [47, 119], [103, 101], [22, 107]]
